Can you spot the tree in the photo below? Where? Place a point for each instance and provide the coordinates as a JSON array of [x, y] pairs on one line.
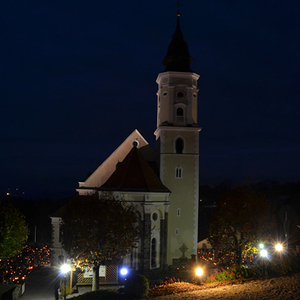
[[13, 230], [242, 219], [98, 231]]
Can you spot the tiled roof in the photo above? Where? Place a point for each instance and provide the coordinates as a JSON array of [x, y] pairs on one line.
[[134, 174]]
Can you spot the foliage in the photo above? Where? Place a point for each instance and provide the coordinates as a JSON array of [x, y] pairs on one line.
[[242, 219], [137, 286], [13, 230], [220, 276], [65, 289], [170, 280], [277, 266], [98, 231]]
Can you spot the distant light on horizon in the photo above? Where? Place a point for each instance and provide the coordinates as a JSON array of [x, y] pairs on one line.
[[14, 192]]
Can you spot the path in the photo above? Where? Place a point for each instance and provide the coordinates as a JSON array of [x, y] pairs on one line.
[[39, 285]]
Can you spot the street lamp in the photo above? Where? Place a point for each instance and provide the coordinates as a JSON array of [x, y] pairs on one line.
[[65, 268], [124, 273], [279, 247], [199, 273], [264, 254]]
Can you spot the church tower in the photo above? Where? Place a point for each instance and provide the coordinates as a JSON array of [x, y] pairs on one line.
[[177, 141]]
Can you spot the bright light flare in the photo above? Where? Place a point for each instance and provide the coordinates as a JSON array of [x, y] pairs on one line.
[[65, 268], [279, 247], [124, 271], [199, 271], [264, 253]]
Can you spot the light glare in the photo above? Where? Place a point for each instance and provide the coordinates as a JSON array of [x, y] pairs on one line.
[[199, 271], [264, 253], [65, 268], [124, 271]]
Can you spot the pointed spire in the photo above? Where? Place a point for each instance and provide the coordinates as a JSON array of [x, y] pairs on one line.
[[178, 57]]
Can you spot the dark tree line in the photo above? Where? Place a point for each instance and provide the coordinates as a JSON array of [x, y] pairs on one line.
[[37, 213]]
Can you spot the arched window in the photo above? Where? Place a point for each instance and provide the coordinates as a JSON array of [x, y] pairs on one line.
[[179, 145], [179, 115], [153, 253], [178, 172]]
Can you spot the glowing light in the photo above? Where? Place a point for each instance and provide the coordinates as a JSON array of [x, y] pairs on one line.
[[124, 271], [261, 246], [279, 247], [199, 271], [65, 268], [263, 253]]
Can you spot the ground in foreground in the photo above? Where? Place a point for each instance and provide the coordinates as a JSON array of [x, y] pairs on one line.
[[279, 288]]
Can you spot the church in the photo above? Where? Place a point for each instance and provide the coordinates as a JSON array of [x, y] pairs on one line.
[[163, 183]]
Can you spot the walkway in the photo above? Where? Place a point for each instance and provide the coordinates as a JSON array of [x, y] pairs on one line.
[[40, 284]]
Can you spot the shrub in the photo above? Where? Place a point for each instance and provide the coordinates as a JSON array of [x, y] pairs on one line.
[[278, 266], [65, 289], [170, 280], [137, 287], [230, 274]]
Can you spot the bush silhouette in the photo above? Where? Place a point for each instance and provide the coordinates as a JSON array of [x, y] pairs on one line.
[[137, 287]]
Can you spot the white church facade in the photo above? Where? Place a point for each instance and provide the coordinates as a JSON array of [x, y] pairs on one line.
[[163, 183]]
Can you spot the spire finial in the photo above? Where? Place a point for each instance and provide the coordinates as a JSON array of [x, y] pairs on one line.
[[178, 5]]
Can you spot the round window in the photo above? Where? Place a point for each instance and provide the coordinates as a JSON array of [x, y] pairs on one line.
[[155, 216], [135, 143]]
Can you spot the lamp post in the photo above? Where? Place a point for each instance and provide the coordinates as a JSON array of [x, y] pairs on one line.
[[65, 269], [264, 254], [199, 273], [279, 249], [124, 272]]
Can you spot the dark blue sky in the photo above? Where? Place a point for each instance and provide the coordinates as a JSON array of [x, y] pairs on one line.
[[77, 77]]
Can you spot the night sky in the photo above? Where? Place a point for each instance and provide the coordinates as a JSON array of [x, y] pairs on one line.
[[77, 77]]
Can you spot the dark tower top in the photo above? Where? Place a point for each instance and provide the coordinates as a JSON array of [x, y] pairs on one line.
[[178, 58]]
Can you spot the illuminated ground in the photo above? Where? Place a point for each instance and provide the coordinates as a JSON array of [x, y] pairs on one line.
[[280, 288]]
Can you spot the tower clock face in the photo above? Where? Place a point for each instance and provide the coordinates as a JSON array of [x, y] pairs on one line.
[[180, 94]]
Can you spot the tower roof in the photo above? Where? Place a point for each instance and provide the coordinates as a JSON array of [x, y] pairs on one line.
[[178, 57], [134, 174]]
